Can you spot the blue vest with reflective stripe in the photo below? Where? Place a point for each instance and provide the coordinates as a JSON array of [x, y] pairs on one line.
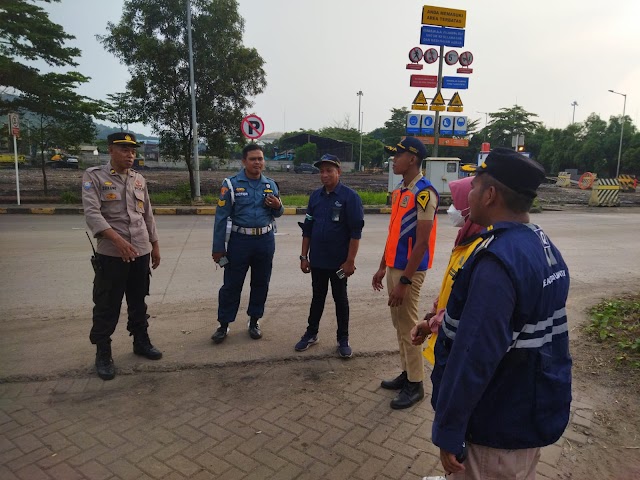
[[526, 404]]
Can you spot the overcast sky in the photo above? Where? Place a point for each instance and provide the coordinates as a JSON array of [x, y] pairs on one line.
[[541, 54]]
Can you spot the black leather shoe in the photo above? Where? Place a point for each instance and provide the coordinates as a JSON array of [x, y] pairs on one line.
[[254, 329], [411, 393], [395, 384], [142, 346], [104, 363], [220, 334]]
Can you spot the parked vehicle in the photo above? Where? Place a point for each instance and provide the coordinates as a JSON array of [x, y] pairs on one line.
[[64, 162], [305, 168]]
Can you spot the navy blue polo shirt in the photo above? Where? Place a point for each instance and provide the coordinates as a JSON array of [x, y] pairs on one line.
[[332, 220]]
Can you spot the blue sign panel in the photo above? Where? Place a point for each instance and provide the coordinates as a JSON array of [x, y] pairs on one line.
[[413, 124], [457, 83], [448, 37], [446, 125], [460, 126], [428, 122]]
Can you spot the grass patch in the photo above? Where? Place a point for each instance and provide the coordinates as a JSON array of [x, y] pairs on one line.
[[70, 197], [616, 324], [368, 198]]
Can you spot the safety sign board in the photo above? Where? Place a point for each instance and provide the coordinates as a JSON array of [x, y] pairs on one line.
[[437, 104], [414, 66], [252, 127], [420, 99], [466, 59], [428, 124], [446, 125], [459, 125], [14, 124], [413, 123], [464, 70], [455, 104], [446, 17], [448, 37], [455, 101], [451, 57], [430, 55], [415, 54], [423, 81], [458, 83]]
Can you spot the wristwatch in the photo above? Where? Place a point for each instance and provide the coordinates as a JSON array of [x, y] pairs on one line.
[[304, 257], [405, 280]]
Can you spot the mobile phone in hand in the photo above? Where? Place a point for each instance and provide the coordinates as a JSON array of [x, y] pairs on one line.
[[340, 273], [223, 262]]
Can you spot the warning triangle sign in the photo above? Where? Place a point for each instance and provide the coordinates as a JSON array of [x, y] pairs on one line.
[[438, 100], [420, 99], [455, 101]]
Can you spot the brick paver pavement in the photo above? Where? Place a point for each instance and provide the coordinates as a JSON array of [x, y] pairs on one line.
[[308, 419]]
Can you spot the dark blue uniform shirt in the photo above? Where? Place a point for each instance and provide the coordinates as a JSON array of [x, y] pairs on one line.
[[332, 220]]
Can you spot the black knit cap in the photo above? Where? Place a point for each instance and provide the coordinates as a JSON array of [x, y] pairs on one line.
[[521, 174]]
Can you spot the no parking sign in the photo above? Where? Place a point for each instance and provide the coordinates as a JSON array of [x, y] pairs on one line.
[[252, 127]]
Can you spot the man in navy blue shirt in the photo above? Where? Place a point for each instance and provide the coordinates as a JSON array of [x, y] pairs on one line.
[[330, 238], [502, 377]]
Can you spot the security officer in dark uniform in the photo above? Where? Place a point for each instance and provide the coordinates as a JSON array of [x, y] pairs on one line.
[[502, 377], [251, 201], [118, 213]]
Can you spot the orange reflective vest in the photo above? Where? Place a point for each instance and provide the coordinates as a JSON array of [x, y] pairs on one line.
[[402, 227]]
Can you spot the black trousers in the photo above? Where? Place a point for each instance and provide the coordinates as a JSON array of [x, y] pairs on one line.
[[114, 279], [320, 279]]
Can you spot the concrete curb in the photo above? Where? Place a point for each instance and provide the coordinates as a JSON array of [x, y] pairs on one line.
[[164, 210], [161, 210]]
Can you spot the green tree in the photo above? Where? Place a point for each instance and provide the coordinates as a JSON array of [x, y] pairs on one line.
[[507, 122], [63, 117], [151, 39], [27, 34], [307, 153], [393, 129], [121, 110]]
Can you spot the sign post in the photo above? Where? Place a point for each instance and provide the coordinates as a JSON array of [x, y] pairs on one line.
[[14, 128]]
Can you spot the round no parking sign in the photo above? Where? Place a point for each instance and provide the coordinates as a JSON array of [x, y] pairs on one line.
[[252, 127]]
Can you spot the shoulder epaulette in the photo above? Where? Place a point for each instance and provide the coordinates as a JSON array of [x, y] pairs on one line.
[[91, 169]]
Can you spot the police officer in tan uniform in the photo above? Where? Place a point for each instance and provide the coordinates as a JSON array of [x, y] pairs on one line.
[[118, 213]]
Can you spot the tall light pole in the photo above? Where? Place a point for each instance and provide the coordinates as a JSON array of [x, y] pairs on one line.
[[624, 107], [574, 104], [194, 125], [486, 122], [359, 94]]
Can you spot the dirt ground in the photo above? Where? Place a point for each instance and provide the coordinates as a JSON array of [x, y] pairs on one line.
[[60, 181]]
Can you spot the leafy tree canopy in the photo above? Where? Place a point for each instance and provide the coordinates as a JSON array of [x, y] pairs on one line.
[[151, 39]]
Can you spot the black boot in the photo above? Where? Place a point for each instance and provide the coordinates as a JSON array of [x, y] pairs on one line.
[[254, 329], [221, 333], [104, 363], [395, 384], [411, 393], [142, 345]]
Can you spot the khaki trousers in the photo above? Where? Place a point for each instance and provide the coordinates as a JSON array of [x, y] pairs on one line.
[[485, 463], [404, 318]]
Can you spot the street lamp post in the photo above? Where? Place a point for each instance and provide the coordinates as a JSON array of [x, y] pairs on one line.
[[574, 104], [194, 123], [359, 94], [624, 107], [486, 122]]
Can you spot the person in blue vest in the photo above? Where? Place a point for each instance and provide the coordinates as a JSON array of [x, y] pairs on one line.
[[331, 236], [252, 202], [502, 377]]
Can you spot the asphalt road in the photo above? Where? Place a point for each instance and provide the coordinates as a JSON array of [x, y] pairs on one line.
[[46, 281]]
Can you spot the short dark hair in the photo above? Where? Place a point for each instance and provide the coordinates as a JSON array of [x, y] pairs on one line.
[[250, 148], [514, 201]]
